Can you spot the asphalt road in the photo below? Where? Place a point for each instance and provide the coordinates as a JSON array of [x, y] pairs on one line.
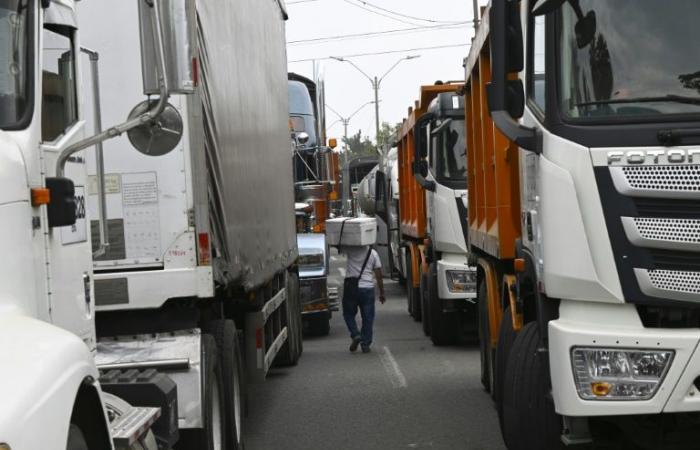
[[405, 394]]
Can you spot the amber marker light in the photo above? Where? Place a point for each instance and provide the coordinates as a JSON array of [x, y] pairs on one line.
[[600, 389], [40, 196]]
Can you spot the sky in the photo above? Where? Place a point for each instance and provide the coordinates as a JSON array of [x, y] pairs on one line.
[[434, 23]]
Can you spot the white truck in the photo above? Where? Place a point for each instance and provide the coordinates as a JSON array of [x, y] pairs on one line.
[[174, 297], [584, 211]]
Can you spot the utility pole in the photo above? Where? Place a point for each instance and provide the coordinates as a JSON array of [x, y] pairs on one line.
[[376, 84], [476, 16]]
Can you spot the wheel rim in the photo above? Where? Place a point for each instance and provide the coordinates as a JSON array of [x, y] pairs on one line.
[[216, 425]]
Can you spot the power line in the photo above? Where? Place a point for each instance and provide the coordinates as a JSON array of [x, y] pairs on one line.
[[379, 33], [301, 1], [381, 14], [387, 52], [401, 14]]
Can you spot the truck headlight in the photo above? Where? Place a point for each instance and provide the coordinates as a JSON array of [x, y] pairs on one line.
[[461, 281], [311, 260], [619, 374]]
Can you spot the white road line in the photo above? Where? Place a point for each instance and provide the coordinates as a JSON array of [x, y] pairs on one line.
[[342, 272], [398, 380]]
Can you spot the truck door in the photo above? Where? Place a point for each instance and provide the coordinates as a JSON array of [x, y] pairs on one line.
[[68, 248]]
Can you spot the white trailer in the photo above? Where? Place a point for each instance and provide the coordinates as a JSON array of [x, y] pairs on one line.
[[199, 278]]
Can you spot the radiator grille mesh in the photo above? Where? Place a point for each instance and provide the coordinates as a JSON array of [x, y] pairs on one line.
[[681, 178], [675, 280], [673, 230]]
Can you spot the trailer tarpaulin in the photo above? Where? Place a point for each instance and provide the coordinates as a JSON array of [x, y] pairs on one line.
[[243, 84]]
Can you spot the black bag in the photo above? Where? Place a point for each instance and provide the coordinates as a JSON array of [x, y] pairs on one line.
[[351, 285]]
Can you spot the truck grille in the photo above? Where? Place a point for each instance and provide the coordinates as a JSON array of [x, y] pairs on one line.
[[664, 178], [675, 280], [674, 230]]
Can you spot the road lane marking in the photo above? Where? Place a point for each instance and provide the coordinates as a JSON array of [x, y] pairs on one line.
[[398, 380], [342, 272]]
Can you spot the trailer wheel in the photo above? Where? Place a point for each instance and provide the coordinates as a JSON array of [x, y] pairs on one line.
[[213, 435], [234, 389], [425, 299], [76, 438], [506, 337], [443, 325], [529, 419], [484, 337]]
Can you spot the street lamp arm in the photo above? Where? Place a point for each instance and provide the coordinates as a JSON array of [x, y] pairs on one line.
[[371, 80], [405, 58], [335, 112], [358, 110]]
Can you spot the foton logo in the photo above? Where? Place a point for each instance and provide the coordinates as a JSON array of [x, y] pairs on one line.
[[638, 157]]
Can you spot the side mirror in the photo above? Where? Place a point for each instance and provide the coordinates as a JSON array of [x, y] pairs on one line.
[[62, 208], [506, 97], [174, 20]]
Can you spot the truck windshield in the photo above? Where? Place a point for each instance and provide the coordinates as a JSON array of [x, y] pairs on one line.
[[635, 59], [452, 160], [14, 58]]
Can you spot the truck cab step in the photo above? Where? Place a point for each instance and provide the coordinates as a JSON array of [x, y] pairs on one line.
[[134, 423]]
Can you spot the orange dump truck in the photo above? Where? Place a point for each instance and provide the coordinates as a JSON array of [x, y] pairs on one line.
[[432, 210], [583, 191]]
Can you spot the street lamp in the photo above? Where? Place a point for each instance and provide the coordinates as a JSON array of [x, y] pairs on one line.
[[376, 83]]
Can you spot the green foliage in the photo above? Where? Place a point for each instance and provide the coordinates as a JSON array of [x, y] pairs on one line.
[[360, 145]]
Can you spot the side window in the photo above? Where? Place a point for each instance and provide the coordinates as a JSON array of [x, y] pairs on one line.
[[435, 143], [537, 75], [59, 105]]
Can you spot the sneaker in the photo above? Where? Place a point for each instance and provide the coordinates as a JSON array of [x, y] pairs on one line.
[[355, 343], [365, 349]]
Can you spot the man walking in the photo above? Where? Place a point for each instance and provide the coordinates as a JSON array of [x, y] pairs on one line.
[[363, 268]]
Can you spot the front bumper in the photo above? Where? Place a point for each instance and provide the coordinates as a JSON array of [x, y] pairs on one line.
[[584, 324], [313, 293]]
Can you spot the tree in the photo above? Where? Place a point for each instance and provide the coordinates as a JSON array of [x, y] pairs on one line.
[[387, 134], [359, 145]]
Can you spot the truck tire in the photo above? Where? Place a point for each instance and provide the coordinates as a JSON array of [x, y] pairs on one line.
[[213, 435], [506, 337], [529, 419], [484, 337], [290, 352], [320, 326], [425, 304], [443, 325], [76, 438], [409, 301], [234, 386]]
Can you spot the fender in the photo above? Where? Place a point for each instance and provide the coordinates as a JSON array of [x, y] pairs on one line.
[[43, 369]]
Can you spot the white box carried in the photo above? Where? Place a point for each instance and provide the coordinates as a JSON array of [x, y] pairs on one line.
[[356, 231]]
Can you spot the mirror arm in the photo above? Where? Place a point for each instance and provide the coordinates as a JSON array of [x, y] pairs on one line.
[[148, 116], [428, 185], [527, 138]]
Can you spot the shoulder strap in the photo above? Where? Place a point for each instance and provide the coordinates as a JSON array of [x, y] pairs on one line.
[[342, 227], [364, 264]]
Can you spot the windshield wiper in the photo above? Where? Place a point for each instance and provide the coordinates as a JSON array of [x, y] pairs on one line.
[[664, 98]]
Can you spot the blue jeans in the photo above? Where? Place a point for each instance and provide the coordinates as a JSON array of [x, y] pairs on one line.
[[365, 303]]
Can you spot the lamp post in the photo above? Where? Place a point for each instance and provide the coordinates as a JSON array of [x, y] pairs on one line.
[[346, 169], [376, 83]]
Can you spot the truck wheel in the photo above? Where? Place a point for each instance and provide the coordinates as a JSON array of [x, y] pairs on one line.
[[425, 299], [320, 326], [529, 419], [409, 284], [443, 325], [76, 438], [213, 435], [506, 337], [234, 394], [484, 337]]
